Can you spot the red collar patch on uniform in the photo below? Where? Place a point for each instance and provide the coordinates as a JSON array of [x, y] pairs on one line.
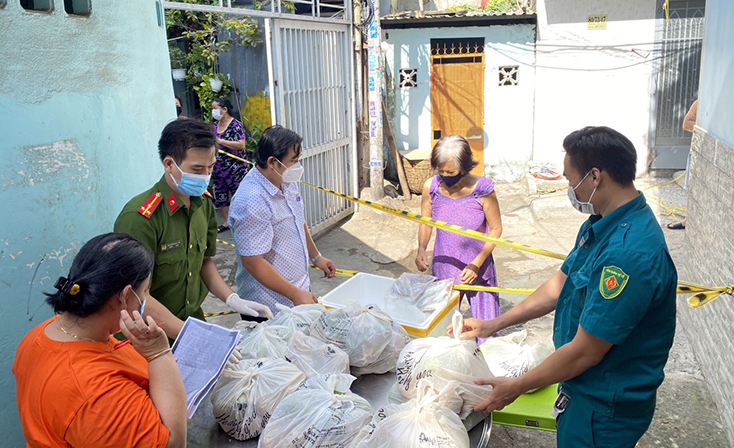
[[150, 204], [207, 194], [172, 203]]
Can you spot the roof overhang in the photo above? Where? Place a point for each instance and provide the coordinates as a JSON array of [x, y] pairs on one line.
[[436, 19]]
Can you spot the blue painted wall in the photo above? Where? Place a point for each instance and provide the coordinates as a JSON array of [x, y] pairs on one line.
[[508, 111], [82, 103], [715, 111]]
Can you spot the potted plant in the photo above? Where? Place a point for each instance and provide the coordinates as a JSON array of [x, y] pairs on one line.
[[209, 35], [178, 63], [216, 82]]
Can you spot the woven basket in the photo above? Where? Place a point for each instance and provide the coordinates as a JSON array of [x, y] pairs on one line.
[[416, 173]]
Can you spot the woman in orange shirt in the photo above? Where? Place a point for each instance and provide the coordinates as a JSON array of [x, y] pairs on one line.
[[76, 386]]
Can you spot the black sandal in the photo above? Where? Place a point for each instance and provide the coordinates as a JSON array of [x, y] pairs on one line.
[[222, 228], [676, 225]]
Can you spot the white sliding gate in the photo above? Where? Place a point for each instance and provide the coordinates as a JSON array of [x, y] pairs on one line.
[[312, 90]]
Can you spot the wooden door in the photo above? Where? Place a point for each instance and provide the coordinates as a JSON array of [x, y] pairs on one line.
[[457, 93]]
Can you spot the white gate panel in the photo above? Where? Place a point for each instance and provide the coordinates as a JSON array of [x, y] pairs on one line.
[[313, 96]]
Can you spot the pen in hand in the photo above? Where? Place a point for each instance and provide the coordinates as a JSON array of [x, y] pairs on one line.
[[121, 344]]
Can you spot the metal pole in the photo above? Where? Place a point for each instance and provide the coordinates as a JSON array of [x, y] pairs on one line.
[[271, 71], [375, 105], [357, 95]]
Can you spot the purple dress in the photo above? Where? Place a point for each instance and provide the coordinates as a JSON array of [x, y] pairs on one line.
[[453, 252], [228, 172]]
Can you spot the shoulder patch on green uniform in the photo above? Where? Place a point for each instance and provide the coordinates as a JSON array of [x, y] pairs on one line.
[[150, 204], [613, 280], [169, 246]]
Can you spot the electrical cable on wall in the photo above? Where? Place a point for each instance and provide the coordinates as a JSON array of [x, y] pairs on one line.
[[646, 61], [369, 6]]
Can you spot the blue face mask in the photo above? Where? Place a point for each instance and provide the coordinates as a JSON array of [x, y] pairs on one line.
[[191, 184], [142, 303]]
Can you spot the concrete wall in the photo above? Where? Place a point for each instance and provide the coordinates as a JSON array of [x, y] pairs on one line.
[[508, 111], [592, 77], [709, 230], [716, 97], [82, 103]]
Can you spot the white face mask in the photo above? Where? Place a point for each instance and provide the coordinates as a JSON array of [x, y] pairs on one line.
[[292, 173], [217, 114], [584, 207]]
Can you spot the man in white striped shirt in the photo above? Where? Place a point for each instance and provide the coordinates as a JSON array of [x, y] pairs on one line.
[[269, 229]]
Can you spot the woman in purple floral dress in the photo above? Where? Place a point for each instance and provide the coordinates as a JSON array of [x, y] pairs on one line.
[[467, 200], [228, 172]]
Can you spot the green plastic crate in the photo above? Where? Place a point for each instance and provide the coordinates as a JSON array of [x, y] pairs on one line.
[[532, 411]]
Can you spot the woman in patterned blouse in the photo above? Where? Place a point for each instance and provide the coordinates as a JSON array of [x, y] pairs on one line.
[[228, 172]]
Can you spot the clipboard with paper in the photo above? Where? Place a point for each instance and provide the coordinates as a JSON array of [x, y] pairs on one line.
[[202, 351]]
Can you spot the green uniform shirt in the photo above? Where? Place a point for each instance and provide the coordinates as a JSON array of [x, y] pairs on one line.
[[621, 288], [180, 238]]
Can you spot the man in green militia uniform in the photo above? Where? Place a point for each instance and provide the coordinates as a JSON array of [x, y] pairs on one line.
[[614, 299], [178, 224]]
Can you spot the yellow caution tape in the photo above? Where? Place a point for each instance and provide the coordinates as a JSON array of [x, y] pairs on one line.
[[494, 289], [220, 313], [226, 243], [688, 287], [673, 208], [343, 272], [444, 225], [235, 157], [432, 222], [347, 273], [662, 184], [703, 294]]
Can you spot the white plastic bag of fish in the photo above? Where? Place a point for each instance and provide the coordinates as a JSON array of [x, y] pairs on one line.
[[324, 413], [261, 340], [314, 357], [362, 332], [423, 422], [248, 392], [446, 358], [298, 318]]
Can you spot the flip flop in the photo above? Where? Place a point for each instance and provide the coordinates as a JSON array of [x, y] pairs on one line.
[[676, 226], [222, 228]]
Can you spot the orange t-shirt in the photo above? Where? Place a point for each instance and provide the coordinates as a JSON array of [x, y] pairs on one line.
[[83, 394]]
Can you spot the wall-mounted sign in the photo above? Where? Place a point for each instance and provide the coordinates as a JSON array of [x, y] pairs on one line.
[[598, 22]]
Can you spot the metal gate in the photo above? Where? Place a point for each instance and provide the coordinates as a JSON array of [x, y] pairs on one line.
[[313, 96], [676, 82]]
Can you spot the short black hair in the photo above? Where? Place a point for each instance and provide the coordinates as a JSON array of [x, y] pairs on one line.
[[102, 268], [603, 148], [181, 135], [275, 142]]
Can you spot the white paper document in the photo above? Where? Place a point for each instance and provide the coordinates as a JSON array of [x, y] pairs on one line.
[[202, 350]]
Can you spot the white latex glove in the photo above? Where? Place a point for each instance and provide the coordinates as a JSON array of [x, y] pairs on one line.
[[234, 358], [248, 307]]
